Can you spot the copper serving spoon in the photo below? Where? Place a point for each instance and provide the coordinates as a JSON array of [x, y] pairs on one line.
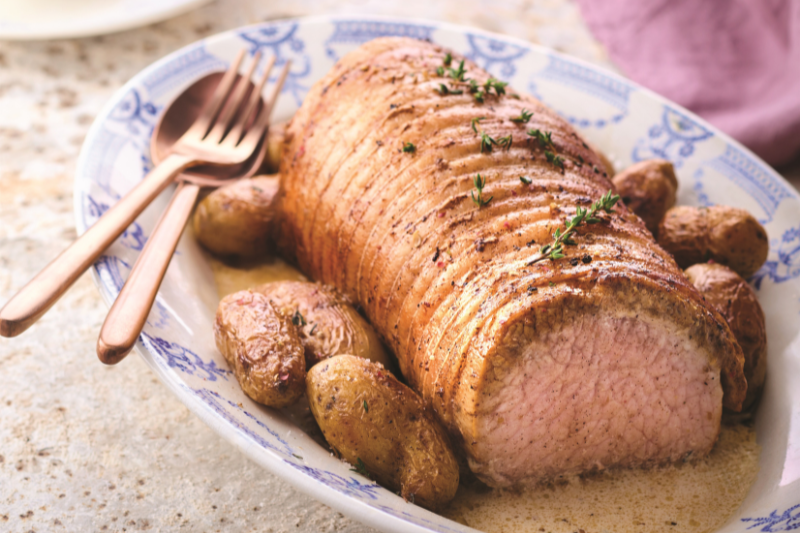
[[198, 113], [128, 314]]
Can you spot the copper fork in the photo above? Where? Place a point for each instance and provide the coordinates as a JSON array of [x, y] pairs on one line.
[[221, 135], [128, 314]]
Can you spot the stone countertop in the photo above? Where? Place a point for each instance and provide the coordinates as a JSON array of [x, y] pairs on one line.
[[85, 447]]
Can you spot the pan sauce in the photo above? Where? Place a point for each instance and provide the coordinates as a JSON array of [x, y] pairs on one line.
[[697, 497]]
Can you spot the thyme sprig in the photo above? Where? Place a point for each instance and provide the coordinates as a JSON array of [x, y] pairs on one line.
[[498, 86], [544, 137], [360, 468], [557, 160], [444, 90], [479, 183], [487, 142], [409, 148], [457, 74], [504, 142], [448, 59], [298, 319], [474, 121], [523, 118], [555, 250]]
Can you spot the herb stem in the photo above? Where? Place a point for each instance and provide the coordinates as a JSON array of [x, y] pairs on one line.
[[555, 250]]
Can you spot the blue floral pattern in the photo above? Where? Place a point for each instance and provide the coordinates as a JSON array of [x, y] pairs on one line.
[[789, 520], [496, 56], [281, 41], [183, 359], [133, 237], [349, 486], [673, 139], [750, 176], [787, 264], [613, 91], [347, 34], [216, 402]]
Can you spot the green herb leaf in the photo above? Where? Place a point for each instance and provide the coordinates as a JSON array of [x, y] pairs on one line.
[[486, 142], [526, 181], [505, 142], [409, 148], [544, 138], [523, 118], [475, 121], [557, 160], [555, 250], [366, 407], [448, 59], [498, 86], [361, 468], [479, 184], [298, 319], [440, 71], [457, 74]]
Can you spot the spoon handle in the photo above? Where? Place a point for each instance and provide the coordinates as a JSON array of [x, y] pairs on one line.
[[35, 298], [129, 312]]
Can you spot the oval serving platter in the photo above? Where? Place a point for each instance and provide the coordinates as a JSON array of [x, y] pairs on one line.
[[627, 122]]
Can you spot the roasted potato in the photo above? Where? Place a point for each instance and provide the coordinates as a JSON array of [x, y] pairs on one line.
[[729, 294], [328, 324], [275, 137], [381, 426], [648, 188], [725, 234], [236, 220], [262, 347]]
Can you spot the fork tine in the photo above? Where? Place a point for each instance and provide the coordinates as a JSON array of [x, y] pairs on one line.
[[234, 103], [235, 134], [203, 123], [260, 123]]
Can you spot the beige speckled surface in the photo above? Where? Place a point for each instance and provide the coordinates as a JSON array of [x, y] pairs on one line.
[[85, 447]]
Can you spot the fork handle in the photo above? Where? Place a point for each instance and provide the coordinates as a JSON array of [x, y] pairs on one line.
[[129, 312], [35, 298]]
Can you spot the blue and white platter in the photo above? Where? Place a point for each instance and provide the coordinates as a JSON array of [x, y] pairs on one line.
[[625, 121]]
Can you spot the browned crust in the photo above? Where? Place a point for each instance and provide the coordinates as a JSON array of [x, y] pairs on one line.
[[368, 416], [262, 348], [729, 294], [399, 233]]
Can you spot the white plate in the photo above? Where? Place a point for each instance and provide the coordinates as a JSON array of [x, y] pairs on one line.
[[62, 19], [624, 120]]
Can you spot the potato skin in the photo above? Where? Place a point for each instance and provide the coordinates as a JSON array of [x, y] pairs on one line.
[[730, 236], [332, 326], [237, 219], [649, 189], [262, 347], [398, 441], [275, 138], [725, 290]]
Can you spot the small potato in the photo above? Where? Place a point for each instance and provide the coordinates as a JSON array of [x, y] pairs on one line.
[[729, 294], [648, 188], [237, 219], [725, 234], [328, 324], [380, 425], [275, 137], [262, 347]]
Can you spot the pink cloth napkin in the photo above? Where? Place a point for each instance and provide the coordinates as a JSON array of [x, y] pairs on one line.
[[736, 63]]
